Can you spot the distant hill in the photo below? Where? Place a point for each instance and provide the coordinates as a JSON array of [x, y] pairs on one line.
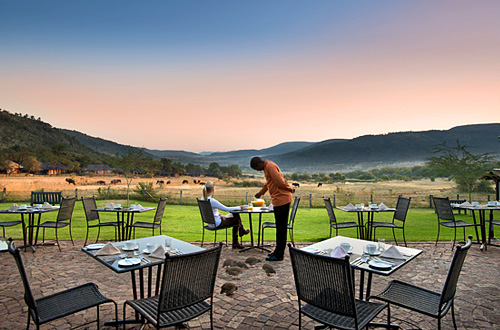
[[392, 149]]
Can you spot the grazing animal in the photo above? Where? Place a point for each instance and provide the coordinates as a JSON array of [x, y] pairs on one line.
[[101, 182], [116, 181], [195, 181], [241, 264], [228, 263], [320, 184], [185, 182], [268, 269], [168, 182], [201, 182], [295, 184], [252, 261], [160, 182], [70, 181], [228, 288], [235, 272]]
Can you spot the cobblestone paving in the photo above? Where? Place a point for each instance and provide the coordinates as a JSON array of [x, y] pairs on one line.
[[261, 302]]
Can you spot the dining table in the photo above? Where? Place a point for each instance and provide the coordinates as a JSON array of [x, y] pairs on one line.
[[482, 210], [375, 263], [260, 211], [31, 213], [127, 217], [365, 229], [139, 259]]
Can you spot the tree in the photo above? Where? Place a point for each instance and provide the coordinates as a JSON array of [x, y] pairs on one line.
[[460, 165], [129, 163]]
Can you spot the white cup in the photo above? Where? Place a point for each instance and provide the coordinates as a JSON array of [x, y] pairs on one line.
[[117, 206], [345, 246], [371, 248], [358, 206], [38, 206], [150, 247], [130, 245], [489, 203], [132, 206], [373, 206], [475, 204]]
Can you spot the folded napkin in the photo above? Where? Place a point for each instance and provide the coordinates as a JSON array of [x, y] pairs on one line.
[[338, 253], [465, 204], [46, 206], [350, 207], [159, 252], [139, 207], [13, 207], [392, 253], [110, 206], [382, 206], [108, 250], [270, 207]]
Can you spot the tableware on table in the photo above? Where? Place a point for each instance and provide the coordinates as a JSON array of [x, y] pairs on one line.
[[130, 245], [23, 207], [108, 250], [371, 249], [129, 262], [381, 244], [132, 206], [393, 253], [358, 206], [493, 203], [327, 252], [118, 206], [96, 246], [338, 252], [38, 206], [259, 202], [137, 250], [380, 265], [263, 208], [150, 247], [373, 206], [346, 246], [168, 243], [311, 250], [159, 252], [250, 207], [475, 204]]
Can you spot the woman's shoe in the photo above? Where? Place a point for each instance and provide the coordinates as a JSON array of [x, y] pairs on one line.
[[237, 246], [244, 232]]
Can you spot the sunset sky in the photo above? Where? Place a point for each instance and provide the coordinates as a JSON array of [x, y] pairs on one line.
[[227, 75]]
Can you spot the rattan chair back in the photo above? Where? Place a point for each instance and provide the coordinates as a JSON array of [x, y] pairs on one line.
[[443, 208], [188, 279], [66, 210], [450, 286], [329, 209], [160, 210], [295, 207], [324, 282], [207, 214], [402, 207], [89, 205]]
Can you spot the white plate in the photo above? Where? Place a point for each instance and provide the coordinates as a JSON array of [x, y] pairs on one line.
[[146, 251], [376, 253], [381, 265], [96, 246], [127, 249], [129, 262], [311, 250]]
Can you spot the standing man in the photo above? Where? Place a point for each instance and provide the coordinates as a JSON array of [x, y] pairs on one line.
[[281, 197]]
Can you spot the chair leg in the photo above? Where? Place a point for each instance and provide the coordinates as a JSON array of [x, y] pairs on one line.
[[97, 317], [86, 237], [203, 237], [453, 314], [394, 234], [330, 230], [29, 319], [57, 240], [291, 237], [437, 238], [71, 235], [99, 233]]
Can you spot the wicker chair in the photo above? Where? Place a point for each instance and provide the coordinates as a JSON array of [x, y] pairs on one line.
[[333, 220], [89, 205], [63, 220], [208, 220], [326, 286], [156, 220], [291, 221], [401, 210], [188, 281], [9, 224], [60, 304], [446, 218], [425, 301]]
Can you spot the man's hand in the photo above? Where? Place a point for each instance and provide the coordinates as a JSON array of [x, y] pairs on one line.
[[293, 190], [257, 195]]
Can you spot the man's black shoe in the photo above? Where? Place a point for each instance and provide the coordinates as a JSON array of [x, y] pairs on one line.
[[274, 258]]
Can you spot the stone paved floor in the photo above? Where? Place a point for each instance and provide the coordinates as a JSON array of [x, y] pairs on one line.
[[261, 302]]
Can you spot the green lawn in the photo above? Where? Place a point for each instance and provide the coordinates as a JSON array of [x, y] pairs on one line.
[[311, 224]]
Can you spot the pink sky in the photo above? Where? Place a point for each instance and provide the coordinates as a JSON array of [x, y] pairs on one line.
[[365, 70]]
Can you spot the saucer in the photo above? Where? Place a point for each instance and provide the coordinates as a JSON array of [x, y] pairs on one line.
[[127, 249], [376, 253], [147, 251], [129, 262], [311, 250], [381, 265], [96, 246]]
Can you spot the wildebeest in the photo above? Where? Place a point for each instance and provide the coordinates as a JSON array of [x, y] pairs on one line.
[[168, 182], [201, 182], [70, 181], [116, 181], [185, 181], [296, 184], [160, 182], [101, 182], [320, 184]]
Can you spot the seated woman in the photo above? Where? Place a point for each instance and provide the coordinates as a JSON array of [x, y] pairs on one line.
[[225, 220]]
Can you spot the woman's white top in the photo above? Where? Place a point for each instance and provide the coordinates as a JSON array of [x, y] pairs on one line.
[[216, 206]]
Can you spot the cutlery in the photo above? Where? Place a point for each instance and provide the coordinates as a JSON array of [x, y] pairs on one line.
[[355, 261]]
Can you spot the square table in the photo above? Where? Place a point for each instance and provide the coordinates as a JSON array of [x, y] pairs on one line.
[[358, 246], [126, 229], [370, 211], [146, 262], [28, 230], [481, 209], [259, 211]]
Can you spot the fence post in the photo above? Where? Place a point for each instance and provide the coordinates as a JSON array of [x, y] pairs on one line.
[[371, 198], [430, 201], [109, 192], [246, 198], [76, 193], [334, 201], [310, 201], [180, 198], [3, 193]]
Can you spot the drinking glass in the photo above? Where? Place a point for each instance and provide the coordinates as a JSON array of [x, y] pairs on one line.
[[168, 243], [381, 244]]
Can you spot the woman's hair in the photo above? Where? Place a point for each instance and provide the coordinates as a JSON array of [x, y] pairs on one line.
[[208, 188]]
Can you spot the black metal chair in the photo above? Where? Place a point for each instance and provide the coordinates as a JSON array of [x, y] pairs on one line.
[[446, 218], [156, 220], [425, 301], [63, 220], [89, 205], [4, 224], [60, 304], [208, 220], [400, 215], [325, 290], [334, 224], [291, 221], [188, 281]]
